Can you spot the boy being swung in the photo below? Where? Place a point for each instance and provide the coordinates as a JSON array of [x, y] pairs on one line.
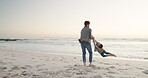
[[99, 47]]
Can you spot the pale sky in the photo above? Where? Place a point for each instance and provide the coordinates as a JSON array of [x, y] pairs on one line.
[[109, 18]]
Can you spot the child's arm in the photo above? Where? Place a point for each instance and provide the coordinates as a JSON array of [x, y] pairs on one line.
[[100, 50]]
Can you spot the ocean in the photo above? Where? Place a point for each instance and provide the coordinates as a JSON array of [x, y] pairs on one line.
[[122, 47]]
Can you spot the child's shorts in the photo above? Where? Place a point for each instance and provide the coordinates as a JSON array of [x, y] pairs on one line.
[[103, 53]]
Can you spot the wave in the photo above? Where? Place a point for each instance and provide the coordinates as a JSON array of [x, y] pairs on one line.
[[12, 39], [126, 39]]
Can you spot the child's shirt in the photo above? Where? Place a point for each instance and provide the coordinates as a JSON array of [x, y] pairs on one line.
[[98, 49]]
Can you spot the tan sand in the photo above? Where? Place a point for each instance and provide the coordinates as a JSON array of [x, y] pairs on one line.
[[17, 64]]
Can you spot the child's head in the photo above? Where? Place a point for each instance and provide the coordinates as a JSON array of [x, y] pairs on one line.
[[99, 45]]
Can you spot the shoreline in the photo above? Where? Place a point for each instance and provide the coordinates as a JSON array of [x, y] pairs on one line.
[[75, 54]]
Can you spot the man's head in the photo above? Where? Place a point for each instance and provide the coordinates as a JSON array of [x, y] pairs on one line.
[[87, 23]]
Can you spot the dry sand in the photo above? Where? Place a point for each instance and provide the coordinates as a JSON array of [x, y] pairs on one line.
[[17, 64]]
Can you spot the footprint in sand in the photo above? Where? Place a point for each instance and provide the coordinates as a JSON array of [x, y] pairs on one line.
[[145, 72], [32, 58], [13, 59], [97, 76], [38, 66], [109, 76], [5, 77], [94, 67], [15, 75], [140, 68], [12, 55], [46, 72], [112, 67], [23, 67], [61, 60], [2, 63], [6, 58], [74, 58], [121, 69], [25, 73], [80, 73], [26, 67], [35, 76], [40, 69], [3, 67], [117, 64], [127, 65], [106, 63], [83, 77], [110, 72], [8, 74], [66, 75], [9, 62], [15, 68]]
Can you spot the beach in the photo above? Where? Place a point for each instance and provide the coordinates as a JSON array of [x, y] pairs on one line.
[[18, 64], [47, 38]]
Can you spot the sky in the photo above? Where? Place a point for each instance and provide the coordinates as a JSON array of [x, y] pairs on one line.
[[108, 18]]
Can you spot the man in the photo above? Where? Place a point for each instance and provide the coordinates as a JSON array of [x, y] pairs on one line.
[[85, 40]]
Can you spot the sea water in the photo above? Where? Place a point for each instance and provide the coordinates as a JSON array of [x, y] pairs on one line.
[[121, 47]]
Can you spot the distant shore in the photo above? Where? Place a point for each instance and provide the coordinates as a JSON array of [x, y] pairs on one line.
[[16, 64]]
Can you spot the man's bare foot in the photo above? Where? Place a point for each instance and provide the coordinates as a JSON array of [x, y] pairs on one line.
[[84, 63], [90, 64]]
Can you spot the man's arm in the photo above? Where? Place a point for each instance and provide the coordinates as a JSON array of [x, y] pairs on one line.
[[91, 36]]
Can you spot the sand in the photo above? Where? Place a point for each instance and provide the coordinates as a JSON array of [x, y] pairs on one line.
[[18, 64]]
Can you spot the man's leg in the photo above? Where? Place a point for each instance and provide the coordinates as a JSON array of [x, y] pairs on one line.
[[83, 53], [90, 53]]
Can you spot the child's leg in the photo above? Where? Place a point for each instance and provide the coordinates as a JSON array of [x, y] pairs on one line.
[[113, 55], [109, 54]]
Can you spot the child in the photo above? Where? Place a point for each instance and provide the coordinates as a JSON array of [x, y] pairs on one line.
[[99, 48]]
